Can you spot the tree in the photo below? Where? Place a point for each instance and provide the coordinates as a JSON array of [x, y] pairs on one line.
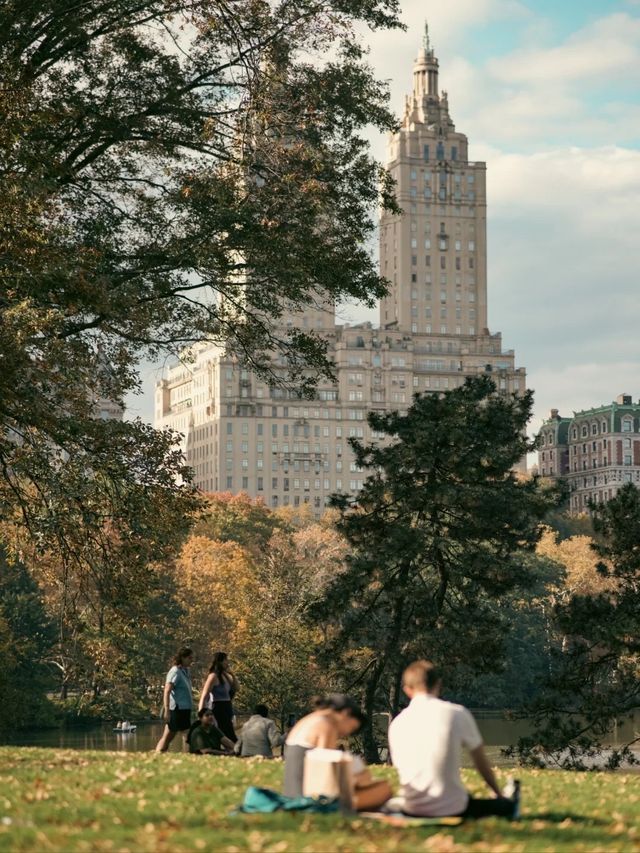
[[438, 535], [218, 591], [576, 554], [237, 518], [248, 592], [26, 637], [595, 683], [171, 171]]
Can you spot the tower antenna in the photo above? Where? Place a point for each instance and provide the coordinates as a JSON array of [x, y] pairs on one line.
[[426, 41]]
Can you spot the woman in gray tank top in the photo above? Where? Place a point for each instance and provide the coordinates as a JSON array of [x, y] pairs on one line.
[[336, 716], [218, 692]]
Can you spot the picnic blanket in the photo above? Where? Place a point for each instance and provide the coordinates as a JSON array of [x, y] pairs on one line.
[[266, 801], [400, 819]]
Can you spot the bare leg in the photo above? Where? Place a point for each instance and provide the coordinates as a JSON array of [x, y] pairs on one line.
[[372, 796], [165, 740]]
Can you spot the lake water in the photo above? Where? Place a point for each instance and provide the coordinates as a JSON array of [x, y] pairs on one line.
[[496, 732]]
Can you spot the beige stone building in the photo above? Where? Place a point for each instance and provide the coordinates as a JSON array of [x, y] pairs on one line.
[[242, 435], [597, 451]]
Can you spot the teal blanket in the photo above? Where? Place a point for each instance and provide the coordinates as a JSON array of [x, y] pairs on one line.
[[265, 801]]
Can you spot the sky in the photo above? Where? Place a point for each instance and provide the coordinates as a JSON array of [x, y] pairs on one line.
[[548, 93]]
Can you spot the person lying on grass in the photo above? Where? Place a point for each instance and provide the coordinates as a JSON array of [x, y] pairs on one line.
[[426, 740], [336, 717], [207, 739]]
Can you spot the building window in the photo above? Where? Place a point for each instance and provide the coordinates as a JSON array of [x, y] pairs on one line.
[[425, 153], [627, 425]]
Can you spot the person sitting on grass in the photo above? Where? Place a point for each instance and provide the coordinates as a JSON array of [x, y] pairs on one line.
[[259, 735], [207, 739], [336, 716], [426, 740]]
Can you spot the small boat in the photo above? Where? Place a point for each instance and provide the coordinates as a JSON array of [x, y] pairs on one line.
[[124, 728]]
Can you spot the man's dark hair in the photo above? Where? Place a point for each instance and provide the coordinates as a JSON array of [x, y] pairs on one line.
[[342, 702], [261, 710], [204, 711]]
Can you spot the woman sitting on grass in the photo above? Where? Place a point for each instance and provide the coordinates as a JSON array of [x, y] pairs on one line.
[[336, 717]]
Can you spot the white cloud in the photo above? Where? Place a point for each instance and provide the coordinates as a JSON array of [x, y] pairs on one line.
[[609, 46], [584, 386]]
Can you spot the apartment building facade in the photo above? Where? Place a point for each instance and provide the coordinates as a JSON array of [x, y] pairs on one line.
[[597, 451], [242, 435]]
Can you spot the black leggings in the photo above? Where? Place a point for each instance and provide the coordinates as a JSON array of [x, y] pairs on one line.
[[223, 712], [501, 806]]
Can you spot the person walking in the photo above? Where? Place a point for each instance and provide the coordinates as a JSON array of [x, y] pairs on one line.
[[217, 693], [259, 735], [426, 740], [177, 699]]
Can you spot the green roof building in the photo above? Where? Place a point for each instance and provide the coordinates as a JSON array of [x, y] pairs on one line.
[[597, 451]]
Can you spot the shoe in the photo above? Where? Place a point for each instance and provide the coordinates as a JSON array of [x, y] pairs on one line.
[[512, 792]]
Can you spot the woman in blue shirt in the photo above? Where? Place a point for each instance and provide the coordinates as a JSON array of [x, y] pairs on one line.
[[177, 699]]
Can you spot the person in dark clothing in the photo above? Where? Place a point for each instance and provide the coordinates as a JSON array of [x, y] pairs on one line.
[[207, 739], [218, 691]]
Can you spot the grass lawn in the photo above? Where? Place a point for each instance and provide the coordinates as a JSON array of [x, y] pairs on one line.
[[70, 800]]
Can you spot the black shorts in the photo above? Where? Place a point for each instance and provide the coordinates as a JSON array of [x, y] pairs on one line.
[[179, 720]]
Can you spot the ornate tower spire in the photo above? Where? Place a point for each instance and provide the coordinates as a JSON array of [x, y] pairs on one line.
[[425, 70], [426, 42]]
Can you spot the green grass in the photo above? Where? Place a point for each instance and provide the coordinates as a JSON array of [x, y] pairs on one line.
[[93, 801]]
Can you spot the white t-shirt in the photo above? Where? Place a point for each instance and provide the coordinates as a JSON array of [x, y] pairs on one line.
[[426, 741]]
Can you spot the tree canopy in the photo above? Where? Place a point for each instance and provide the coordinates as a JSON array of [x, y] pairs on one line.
[[439, 534], [171, 171], [594, 683]]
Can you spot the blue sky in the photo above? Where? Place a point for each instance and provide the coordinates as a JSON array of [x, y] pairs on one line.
[[549, 95], [548, 92]]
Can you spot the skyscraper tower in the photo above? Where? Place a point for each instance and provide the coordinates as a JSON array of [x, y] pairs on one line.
[[434, 254], [240, 434]]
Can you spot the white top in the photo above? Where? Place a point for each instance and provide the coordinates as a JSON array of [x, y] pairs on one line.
[[426, 742]]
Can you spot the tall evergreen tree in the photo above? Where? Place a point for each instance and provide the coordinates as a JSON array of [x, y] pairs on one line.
[[594, 687], [438, 534]]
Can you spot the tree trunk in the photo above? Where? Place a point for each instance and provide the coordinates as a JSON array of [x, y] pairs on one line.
[[396, 691], [371, 751]]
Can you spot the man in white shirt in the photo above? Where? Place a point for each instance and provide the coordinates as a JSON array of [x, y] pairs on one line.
[[426, 740]]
